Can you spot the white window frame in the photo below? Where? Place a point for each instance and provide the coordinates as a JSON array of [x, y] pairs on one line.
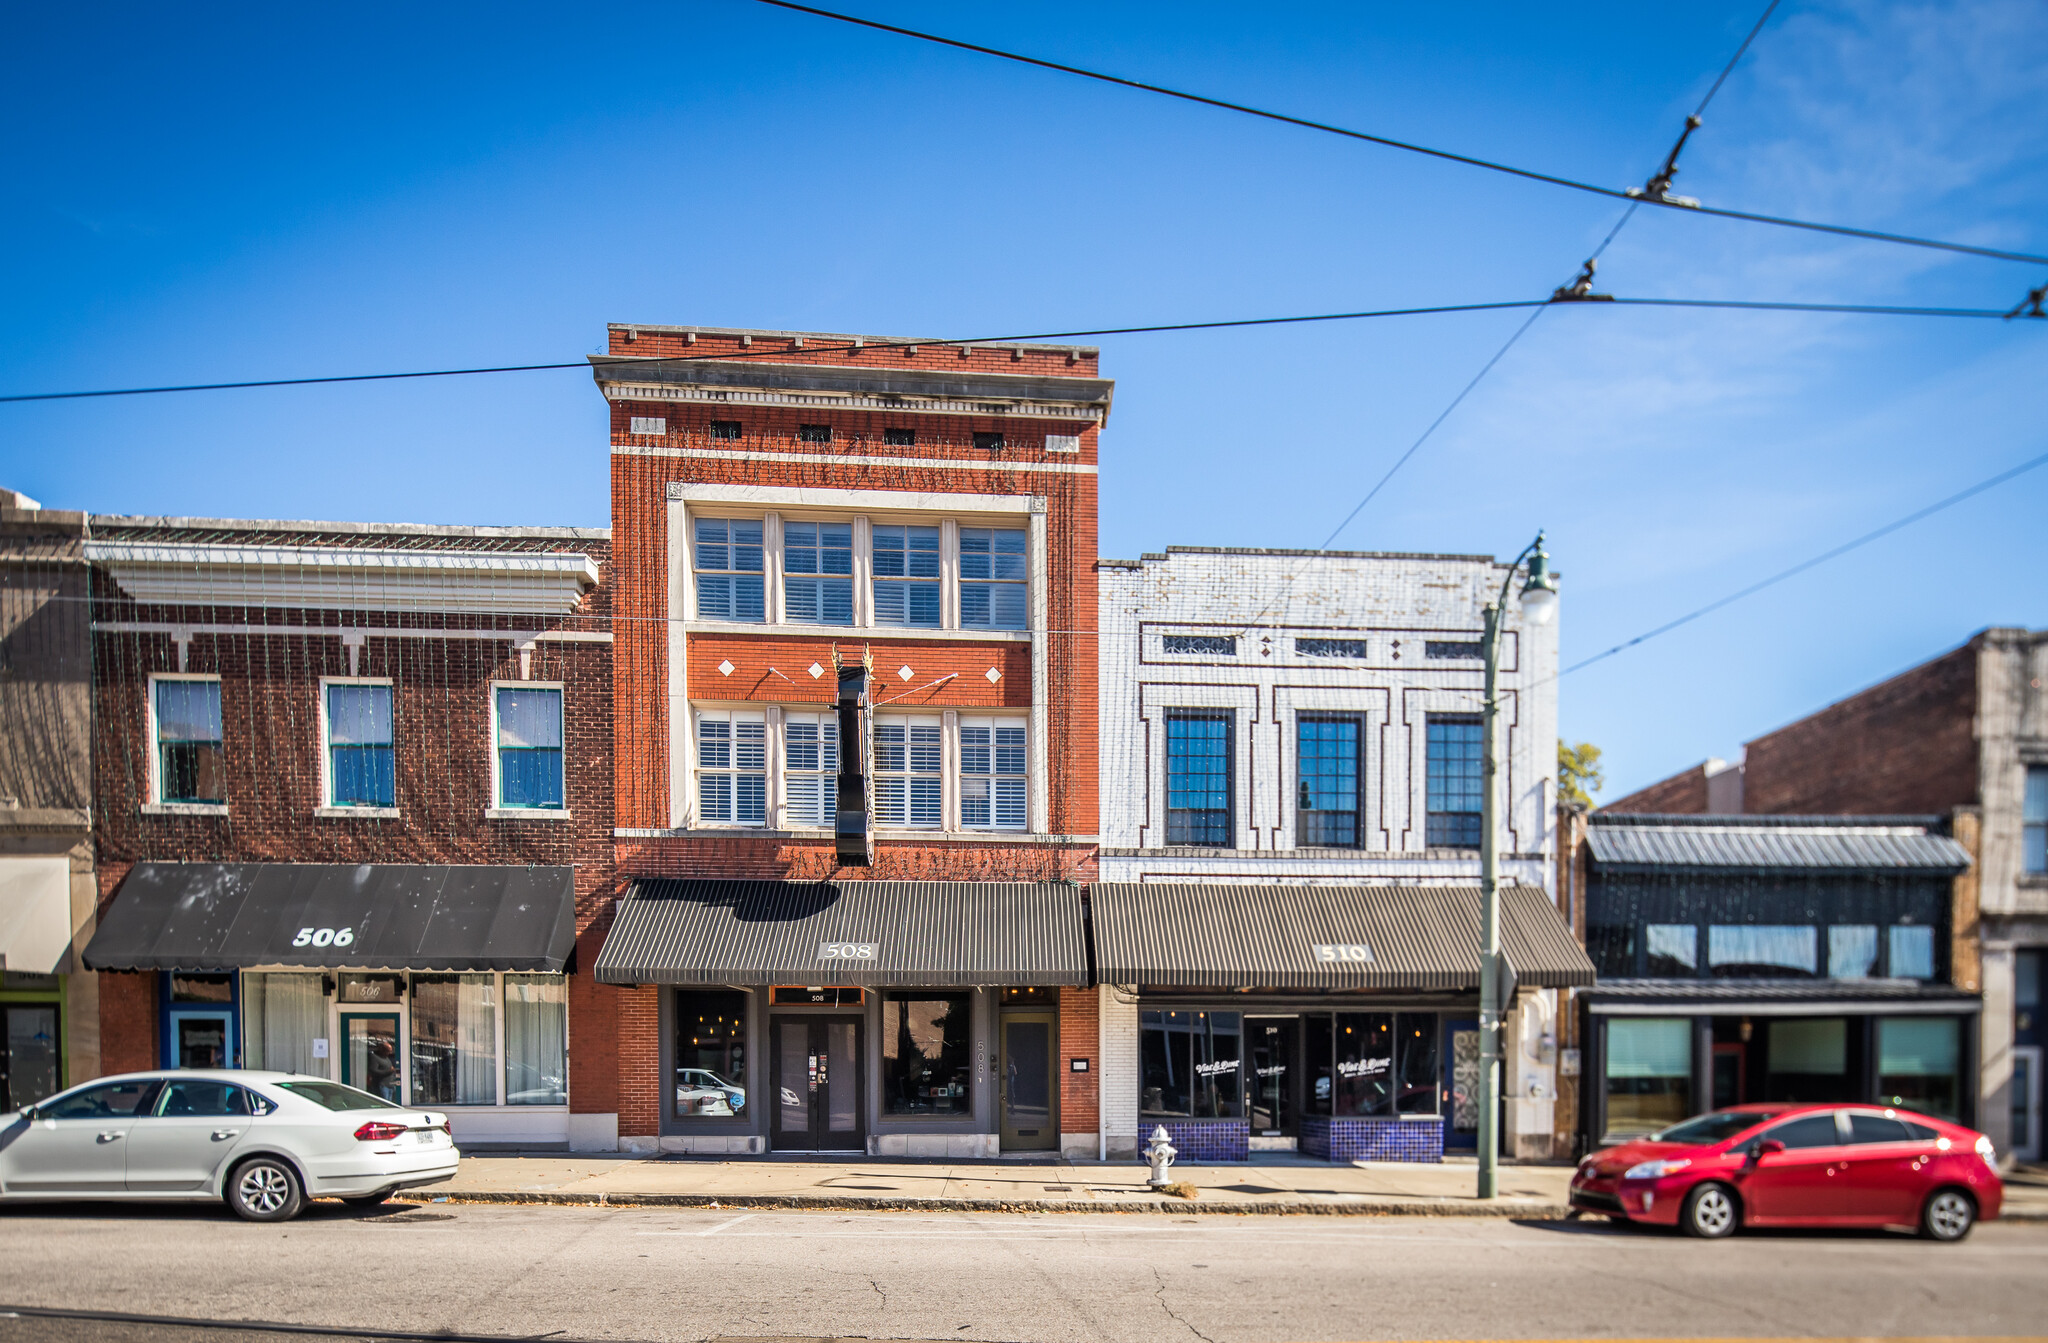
[[156, 804], [909, 721], [1016, 722], [327, 806], [733, 716], [961, 582], [497, 811], [826, 720], [771, 540], [856, 582], [942, 582]]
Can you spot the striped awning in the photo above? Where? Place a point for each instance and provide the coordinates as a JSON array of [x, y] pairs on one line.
[[1324, 937], [869, 933]]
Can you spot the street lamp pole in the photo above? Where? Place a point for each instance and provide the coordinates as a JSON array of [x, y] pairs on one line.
[[1539, 603]]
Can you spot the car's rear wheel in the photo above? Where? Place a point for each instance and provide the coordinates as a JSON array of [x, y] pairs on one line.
[[1948, 1215], [1709, 1212], [265, 1189]]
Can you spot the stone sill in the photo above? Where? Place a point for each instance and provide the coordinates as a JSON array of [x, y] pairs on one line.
[[45, 818], [1326, 854], [864, 633], [823, 836], [527, 814], [357, 813], [184, 809]]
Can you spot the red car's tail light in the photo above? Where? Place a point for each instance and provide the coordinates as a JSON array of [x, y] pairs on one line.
[[378, 1132]]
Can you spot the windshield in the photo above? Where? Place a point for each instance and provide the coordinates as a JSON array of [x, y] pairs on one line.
[[335, 1096], [1711, 1128]]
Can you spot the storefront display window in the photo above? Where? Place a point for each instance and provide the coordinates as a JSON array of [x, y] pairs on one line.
[[711, 1054], [1415, 1051], [1188, 1065], [454, 1040], [1649, 1075], [1365, 1063], [282, 1015], [1808, 1060], [926, 1054], [1916, 1063], [536, 1040], [1318, 1054]]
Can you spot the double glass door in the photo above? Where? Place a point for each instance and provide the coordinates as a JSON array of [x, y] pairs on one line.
[[1269, 1076], [817, 1084]]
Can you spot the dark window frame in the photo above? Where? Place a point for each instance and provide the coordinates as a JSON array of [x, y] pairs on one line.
[[1444, 828], [814, 433], [734, 1044], [892, 1070], [725, 431], [1228, 828], [1302, 838]]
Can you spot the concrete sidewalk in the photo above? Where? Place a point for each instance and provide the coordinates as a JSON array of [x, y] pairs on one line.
[[1271, 1185], [1280, 1185]]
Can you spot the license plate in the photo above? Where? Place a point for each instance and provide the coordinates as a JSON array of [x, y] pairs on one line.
[[425, 1135]]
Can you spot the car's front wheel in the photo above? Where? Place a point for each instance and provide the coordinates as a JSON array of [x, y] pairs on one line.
[[1948, 1215], [1709, 1212], [265, 1189]]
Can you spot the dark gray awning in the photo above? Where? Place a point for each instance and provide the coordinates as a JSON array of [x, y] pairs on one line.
[[230, 916], [874, 933], [1803, 844], [1324, 937]]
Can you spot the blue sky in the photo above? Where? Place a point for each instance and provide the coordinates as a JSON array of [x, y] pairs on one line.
[[221, 193]]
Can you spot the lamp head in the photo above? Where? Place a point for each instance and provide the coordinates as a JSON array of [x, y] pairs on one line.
[[1539, 594]]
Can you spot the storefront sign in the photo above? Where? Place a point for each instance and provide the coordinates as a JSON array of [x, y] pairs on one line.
[[1216, 1069], [1363, 1067], [847, 951], [1356, 952]]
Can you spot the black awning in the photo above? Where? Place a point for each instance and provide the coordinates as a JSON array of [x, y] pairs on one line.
[[872, 933], [230, 916], [1324, 937]]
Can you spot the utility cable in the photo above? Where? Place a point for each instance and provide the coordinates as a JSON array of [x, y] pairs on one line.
[[650, 360], [1470, 161], [1822, 558]]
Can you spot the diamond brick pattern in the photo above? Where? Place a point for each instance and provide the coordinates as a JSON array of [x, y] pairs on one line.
[[1203, 1140], [1372, 1139]]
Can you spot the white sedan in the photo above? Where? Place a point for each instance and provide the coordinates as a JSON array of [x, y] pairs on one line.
[[265, 1142]]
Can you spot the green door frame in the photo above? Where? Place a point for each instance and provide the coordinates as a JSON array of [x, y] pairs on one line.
[[397, 1045]]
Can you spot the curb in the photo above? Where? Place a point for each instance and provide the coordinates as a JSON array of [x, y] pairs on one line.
[[1530, 1209]]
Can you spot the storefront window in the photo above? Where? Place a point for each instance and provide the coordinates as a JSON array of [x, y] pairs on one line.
[[536, 1040], [1649, 1074], [1365, 1063], [454, 1040], [1808, 1060], [1188, 1065], [1763, 951], [282, 1015], [711, 1054], [925, 1054], [1318, 1051], [1415, 1048], [1916, 1064]]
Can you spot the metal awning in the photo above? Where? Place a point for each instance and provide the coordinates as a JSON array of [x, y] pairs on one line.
[[871, 933], [1324, 937], [231, 916], [1771, 844]]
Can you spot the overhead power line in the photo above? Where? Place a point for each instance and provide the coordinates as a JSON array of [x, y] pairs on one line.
[[1306, 123], [1857, 308], [1822, 558]]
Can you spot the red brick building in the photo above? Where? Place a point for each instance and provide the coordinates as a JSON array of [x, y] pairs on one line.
[[785, 503], [352, 791]]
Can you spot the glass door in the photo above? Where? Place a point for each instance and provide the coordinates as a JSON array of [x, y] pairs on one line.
[[1269, 1081], [28, 1054], [2026, 1102], [202, 1039], [1461, 1085], [1731, 1064], [1030, 1111], [369, 1054], [816, 1061]]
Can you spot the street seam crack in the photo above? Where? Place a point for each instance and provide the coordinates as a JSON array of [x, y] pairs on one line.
[[1171, 1313]]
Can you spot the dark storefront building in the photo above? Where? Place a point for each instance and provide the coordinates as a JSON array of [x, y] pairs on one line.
[[1340, 1022], [1749, 958]]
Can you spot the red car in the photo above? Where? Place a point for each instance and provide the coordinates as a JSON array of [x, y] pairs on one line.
[[1798, 1165]]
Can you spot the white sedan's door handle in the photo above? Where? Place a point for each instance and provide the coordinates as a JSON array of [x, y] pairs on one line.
[[221, 1133], [110, 1137]]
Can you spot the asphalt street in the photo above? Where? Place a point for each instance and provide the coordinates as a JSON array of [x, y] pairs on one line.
[[639, 1273]]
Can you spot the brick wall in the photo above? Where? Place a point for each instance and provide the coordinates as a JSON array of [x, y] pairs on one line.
[[1683, 794], [128, 1028], [1906, 746], [1080, 1038], [774, 669]]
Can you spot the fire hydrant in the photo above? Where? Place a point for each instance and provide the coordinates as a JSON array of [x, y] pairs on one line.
[[1159, 1154]]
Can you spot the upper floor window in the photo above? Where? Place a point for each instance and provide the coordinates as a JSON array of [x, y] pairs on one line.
[[908, 766], [728, 430], [529, 733], [907, 576], [1198, 803], [2034, 821], [730, 582], [1327, 813], [817, 564], [814, 433], [810, 767], [992, 578], [1201, 645], [899, 438], [361, 771], [1453, 650], [1330, 648], [190, 767], [992, 775], [732, 767], [1455, 790]]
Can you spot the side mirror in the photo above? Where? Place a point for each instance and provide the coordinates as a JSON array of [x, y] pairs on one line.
[[28, 1113], [1767, 1147]]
